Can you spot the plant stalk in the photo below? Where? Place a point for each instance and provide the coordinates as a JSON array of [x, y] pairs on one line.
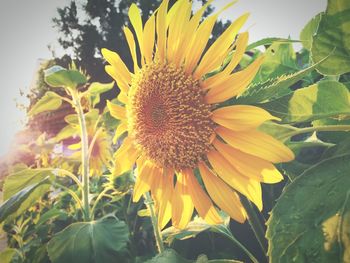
[[255, 224], [84, 153], [158, 236], [315, 129]]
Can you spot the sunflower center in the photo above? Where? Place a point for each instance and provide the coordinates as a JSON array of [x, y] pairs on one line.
[[167, 116]]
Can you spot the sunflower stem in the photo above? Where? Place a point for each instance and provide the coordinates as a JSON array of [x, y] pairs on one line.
[[84, 153], [158, 236], [255, 224], [315, 129]]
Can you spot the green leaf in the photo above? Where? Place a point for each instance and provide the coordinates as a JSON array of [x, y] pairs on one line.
[[198, 226], [52, 213], [332, 136], [171, 256], [144, 213], [90, 118], [67, 132], [321, 100], [168, 256], [333, 38], [59, 77], [194, 228], [96, 89], [99, 241], [7, 255], [269, 41], [20, 180], [306, 35], [273, 88], [309, 213], [277, 130], [49, 102], [280, 59], [24, 199]]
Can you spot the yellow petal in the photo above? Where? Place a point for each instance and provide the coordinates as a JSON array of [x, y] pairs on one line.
[[258, 144], [132, 46], [246, 186], [75, 146], [147, 173], [241, 117], [199, 43], [149, 38], [241, 46], [113, 72], [164, 212], [136, 22], [161, 30], [117, 111], [181, 16], [189, 33], [125, 157], [200, 40], [234, 84], [122, 97], [181, 204], [218, 50], [201, 201], [122, 127], [222, 194], [156, 189], [114, 59], [249, 165]]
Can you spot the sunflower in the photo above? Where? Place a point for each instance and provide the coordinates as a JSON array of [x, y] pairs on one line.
[[190, 151], [99, 150]]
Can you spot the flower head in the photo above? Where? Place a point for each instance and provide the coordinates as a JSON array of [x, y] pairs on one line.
[[177, 130], [99, 149]]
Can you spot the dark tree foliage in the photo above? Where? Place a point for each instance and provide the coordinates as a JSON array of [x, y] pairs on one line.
[[88, 26]]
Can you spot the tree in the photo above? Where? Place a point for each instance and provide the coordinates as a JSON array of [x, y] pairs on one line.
[[95, 24]]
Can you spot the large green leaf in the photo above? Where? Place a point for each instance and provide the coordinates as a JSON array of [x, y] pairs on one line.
[[280, 59], [269, 41], [198, 226], [99, 241], [168, 256], [321, 100], [333, 37], [310, 222], [19, 180], [273, 88], [49, 102], [171, 256], [306, 35], [24, 199], [59, 77], [7, 255]]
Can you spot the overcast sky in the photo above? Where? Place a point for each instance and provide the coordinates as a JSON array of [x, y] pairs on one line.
[[26, 30]]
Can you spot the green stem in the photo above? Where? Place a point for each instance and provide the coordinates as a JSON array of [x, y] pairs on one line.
[[99, 197], [72, 176], [239, 244], [255, 224], [69, 191], [67, 173], [313, 129], [150, 205], [84, 153]]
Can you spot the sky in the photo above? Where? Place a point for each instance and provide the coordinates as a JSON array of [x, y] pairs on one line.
[[26, 30]]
